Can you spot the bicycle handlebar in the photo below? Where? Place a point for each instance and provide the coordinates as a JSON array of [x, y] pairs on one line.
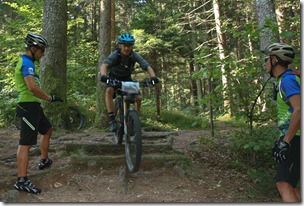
[[143, 83]]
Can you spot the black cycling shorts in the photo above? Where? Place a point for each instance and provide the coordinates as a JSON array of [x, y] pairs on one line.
[[33, 121], [289, 171]]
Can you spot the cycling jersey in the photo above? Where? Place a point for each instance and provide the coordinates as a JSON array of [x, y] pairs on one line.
[[26, 67], [121, 67], [290, 85]]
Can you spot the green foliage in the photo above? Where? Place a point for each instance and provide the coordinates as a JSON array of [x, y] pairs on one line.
[[235, 122], [245, 78], [250, 152], [178, 120], [253, 149], [165, 34], [8, 108], [263, 180], [16, 20], [172, 120], [82, 89]]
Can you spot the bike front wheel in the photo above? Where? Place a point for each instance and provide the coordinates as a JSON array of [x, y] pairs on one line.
[[133, 141]]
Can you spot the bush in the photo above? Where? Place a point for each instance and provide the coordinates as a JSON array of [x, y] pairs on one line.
[[8, 108], [253, 148]]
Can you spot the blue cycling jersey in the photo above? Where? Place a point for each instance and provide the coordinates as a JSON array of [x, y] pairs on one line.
[[289, 84]]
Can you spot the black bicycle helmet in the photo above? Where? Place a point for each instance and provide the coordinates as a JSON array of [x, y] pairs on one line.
[[35, 40], [126, 39], [283, 51]]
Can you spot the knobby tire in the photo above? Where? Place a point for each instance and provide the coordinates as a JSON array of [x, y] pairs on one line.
[[76, 118], [133, 141]]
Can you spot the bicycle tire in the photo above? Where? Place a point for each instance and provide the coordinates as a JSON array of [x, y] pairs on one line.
[[133, 141], [119, 118], [75, 117], [17, 121]]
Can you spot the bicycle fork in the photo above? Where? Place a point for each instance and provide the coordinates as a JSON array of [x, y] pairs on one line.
[[126, 111], [125, 125]]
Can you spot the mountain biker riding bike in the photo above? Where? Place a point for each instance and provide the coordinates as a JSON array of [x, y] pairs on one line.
[[33, 119], [120, 64], [286, 150]]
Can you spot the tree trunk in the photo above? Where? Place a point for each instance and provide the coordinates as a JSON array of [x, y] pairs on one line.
[[53, 66], [210, 89], [221, 46], [159, 86], [193, 88], [101, 118], [113, 34], [94, 20], [193, 62], [265, 10]]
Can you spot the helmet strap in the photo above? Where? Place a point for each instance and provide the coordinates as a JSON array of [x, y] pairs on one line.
[[33, 54], [272, 66]]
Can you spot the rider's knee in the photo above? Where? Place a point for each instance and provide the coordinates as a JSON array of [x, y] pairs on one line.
[[139, 98], [283, 186], [50, 131], [109, 92]]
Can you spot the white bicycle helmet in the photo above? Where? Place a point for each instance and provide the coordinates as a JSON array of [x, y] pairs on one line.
[[283, 51]]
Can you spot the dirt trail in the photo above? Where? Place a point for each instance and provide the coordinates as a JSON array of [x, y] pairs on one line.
[[189, 172]]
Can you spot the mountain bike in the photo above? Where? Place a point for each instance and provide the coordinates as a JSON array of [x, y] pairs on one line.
[[127, 119], [75, 117]]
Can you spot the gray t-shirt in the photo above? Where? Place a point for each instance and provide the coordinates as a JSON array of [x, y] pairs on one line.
[[121, 67]]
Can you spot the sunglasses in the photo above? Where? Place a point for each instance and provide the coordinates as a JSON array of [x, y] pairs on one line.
[[127, 45], [266, 59]]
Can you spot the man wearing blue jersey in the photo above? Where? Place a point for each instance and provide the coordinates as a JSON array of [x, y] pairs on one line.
[[286, 150], [33, 120]]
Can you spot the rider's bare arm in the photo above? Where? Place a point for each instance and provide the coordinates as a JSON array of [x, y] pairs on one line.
[[151, 71], [35, 89], [103, 69]]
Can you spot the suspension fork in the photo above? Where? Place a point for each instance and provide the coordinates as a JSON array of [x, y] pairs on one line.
[[126, 106]]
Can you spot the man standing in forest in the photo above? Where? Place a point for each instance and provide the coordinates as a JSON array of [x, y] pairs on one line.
[[30, 112], [286, 150], [121, 65]]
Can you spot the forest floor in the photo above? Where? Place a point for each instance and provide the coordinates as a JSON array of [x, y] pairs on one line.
[[82, 171]]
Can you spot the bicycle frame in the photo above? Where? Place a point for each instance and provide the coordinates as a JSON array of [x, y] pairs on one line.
[[125, 104], [129, 92]]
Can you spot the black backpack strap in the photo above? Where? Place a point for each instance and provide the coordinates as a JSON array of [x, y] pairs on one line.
[[282, 94]]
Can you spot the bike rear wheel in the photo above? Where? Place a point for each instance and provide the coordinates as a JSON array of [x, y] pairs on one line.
[[133, 141], [17, 121], [75, 117], [119, 118]]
